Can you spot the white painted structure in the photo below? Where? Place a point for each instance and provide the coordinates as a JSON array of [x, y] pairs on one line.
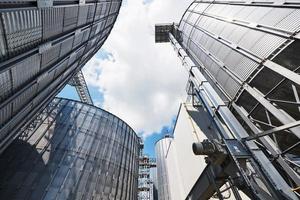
[[178, 167]]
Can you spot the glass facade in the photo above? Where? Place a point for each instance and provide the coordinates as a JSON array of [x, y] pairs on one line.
[[42, 45], [247, 51], [71, 151]]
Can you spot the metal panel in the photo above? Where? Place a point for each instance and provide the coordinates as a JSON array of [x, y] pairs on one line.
[[114, 7], [78, 39], [5, 85], [291, 22], [102, 10], [5, 114], [73, 149], [70, 17], [66, 46], [22, 99], [267, 45], [50, 56], [60, 67], [161, 151], [32, 39], [45, 80], [91, 13], [3, 50], [86, 34], [82, 15], [23, 29], [25, 71], [52, 21]]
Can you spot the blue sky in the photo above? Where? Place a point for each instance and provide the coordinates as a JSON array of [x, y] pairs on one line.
[[97, 96], [141, 82]]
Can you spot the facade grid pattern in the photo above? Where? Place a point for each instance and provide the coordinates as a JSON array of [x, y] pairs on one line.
[[246, 50], [73, 151], [42, 47]]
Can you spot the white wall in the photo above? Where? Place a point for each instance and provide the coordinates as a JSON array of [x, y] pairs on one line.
[[183, 168]]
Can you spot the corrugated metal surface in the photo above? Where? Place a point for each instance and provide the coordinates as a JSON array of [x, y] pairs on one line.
[[206, 31], [82, 15], [70, 17], [23, 99], [5, 114], [3, 50], [91, 13], [40, 42], [61, 66], [102, 10], [23, 28], [5, 85], [25, 70], [161, 151], [52, 21], [50, 56], [78, 39], [66, 46], [234, 44], [77, 152]]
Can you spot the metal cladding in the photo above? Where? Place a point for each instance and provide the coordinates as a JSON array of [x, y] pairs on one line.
[[161, 151], [72, 151], [42, 45], [248, 51]]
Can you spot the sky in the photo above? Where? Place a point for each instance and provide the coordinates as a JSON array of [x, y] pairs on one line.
[[132, 77]]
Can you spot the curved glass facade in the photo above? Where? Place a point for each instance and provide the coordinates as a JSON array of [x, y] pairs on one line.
[[42, 45], [248, 52], [72, 151]]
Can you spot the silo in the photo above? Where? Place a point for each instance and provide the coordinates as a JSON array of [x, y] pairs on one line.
[[42, 45], [71, 150], [243, 64], [248, 51], [161, 150]]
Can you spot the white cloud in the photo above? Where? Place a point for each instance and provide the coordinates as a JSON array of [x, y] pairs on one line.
[[143, 83]]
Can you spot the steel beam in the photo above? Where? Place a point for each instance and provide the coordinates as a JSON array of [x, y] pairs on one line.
[[270, 176], [79, 83], [273, 130], [282, 117]]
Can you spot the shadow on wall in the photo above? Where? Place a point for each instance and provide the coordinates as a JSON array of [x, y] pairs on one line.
[[37, 166], [75, 152]]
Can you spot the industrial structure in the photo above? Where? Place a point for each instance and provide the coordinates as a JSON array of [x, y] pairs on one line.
[[43, 46], [146, 183], [163, 182], [177, 166], [242, 58], [72, 150]]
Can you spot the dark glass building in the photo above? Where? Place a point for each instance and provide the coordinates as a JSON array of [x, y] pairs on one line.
[[42, 45], [72, 151]]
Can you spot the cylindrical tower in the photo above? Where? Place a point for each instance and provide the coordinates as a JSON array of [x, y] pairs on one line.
[[248, 51], [161, 151], [42, 45], [72, 151]]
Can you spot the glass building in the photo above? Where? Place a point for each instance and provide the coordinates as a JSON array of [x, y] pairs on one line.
[[42, 45], [74, 151]]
